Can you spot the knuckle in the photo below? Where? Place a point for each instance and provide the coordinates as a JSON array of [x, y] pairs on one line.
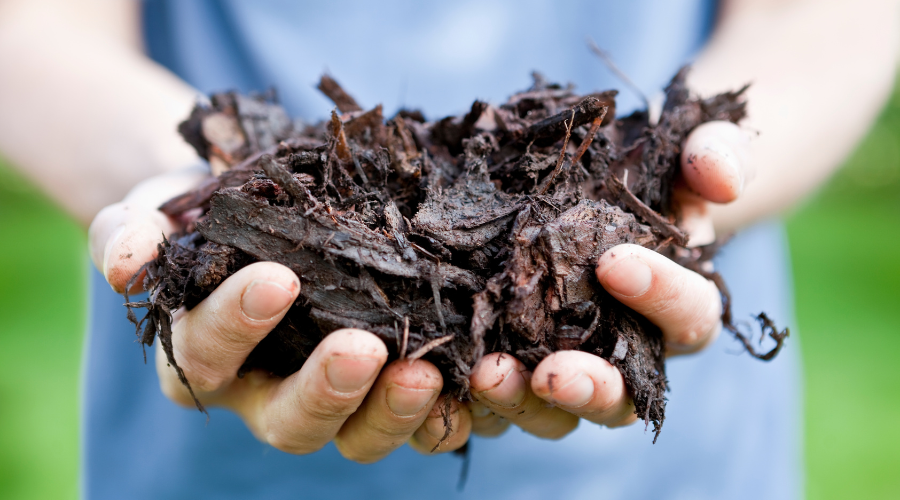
[[231, 343], [171, 386], [206, 384], [227, 332], [329, 408], [206, 349], [203, 379], [392, 429]]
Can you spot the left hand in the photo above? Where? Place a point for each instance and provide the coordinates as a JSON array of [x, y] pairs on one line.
[[683, 304]]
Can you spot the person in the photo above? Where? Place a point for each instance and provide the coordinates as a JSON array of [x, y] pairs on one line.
[[87, 115]]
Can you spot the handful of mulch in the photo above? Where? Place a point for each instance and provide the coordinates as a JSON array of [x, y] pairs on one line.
[[448, 239]]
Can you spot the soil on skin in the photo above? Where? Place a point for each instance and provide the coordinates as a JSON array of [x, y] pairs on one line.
[[448, 239]]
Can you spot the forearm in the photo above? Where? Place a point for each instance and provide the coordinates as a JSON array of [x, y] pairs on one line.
[[819, 72], [85, 114]]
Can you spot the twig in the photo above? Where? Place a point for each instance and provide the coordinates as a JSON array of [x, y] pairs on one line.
[[663, 244], [436, 292], [586, 143], [337, 132], [562, 154], [652, 217], [766, 325], [338, 95], [425, 349], [426, 252], [549, 130], [405, 342], [282, 177]]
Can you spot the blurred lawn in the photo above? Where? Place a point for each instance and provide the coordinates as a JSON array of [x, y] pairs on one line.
[[846, 256], [43, 268], [845, 248]]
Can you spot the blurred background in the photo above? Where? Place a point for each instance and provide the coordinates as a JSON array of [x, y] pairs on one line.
[[845, 244]]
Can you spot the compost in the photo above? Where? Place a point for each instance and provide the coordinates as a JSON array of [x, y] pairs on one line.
[[448, 239]]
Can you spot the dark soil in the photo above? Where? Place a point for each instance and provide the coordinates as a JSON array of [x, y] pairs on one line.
[[448, 239]]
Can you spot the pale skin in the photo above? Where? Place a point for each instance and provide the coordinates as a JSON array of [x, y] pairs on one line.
[[346, 393]]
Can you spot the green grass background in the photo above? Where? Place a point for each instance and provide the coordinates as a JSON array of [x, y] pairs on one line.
[[845, 246]]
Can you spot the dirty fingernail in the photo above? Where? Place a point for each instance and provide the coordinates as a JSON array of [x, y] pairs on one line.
[[405, 402], [630, 277], [575, 393], [350, 374], [265, 299], [717, 152], [110, 244], [510, 392]]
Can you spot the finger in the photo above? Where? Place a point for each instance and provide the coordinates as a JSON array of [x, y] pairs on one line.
[[684, 305], [693, 215], [715, 161], [584, 385], [396, 406], [305, 411], [123, 238], [432, 437], [212, 340], [153, 192], [125, 235], [503, 384], [486, 423]]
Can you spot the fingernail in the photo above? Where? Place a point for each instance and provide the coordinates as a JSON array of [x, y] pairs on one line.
[[265, 299], [406, 402], [350, 374], [574, 393], [110, 244], [509, 393], [725, 155], [630, 277]]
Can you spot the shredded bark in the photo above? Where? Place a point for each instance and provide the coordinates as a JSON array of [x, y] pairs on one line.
[[448, 239]]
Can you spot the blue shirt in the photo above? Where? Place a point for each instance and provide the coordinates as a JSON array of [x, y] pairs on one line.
[[733, 423]]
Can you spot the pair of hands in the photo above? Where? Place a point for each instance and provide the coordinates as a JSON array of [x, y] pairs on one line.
[[345, 393]]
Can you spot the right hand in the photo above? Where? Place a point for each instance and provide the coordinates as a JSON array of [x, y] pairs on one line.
[[342, 393]]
